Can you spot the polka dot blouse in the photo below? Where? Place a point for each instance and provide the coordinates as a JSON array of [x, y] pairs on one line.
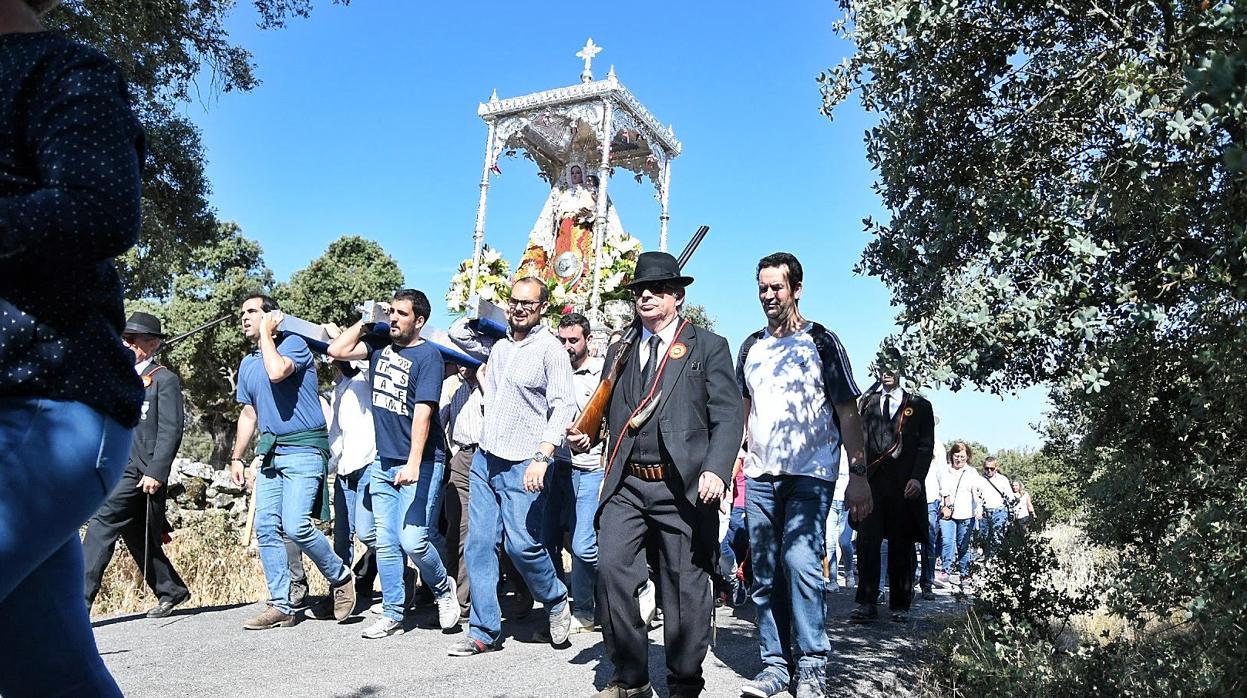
[[70, 156]]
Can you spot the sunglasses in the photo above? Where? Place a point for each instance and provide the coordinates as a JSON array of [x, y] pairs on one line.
[[655, 288]]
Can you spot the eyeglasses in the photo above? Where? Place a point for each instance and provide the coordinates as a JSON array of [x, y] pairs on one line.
[[526, 305]]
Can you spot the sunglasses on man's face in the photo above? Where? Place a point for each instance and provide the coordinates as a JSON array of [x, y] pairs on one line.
[[656, 288]]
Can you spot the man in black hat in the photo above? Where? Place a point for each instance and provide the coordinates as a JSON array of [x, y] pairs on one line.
[[675, 420], [136, 509]]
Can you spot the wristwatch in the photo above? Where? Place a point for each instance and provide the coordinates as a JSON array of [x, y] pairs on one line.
[[858, 468], [541, 457]]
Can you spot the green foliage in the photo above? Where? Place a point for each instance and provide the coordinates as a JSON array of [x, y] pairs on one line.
[[220, 275], [164, 47], [978, 452], [1066, 185], [351, 270], [1057, 489], [697, 314]]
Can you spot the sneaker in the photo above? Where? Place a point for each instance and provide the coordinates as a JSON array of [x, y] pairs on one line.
[[881, 597], [298, 595], [270, 618], [830, 586], [617, 691], [768, 682], [560, 622], [383, 627], [811, 682], [344, 599], [470, 647], [927, 594], [649, 607], [582, 624], [941, 580], [448, 606]]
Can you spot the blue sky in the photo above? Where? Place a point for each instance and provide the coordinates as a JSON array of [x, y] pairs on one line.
[[366, 124]]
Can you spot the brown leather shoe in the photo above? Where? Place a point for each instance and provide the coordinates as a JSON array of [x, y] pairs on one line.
[[344, 599], [270, 618]]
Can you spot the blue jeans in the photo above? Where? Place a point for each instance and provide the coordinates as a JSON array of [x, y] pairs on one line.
[[571, 500], [736, 537], [404, 516], [58, 462], [994, 521], [928, 546], [956, 535], [839, 540], [500, 509], [787, 517], [285, 490], [350, 516]]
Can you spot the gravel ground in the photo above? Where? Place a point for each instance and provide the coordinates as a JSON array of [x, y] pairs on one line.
[[206, 652]]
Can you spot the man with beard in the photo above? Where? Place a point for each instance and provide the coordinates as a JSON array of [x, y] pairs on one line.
[[405, 481], [801, 403], [529, 400], [277, 388], [136, 509], [574, 481]]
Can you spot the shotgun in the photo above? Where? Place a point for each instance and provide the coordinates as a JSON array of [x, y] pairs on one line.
[[207, 325], [594, 413]]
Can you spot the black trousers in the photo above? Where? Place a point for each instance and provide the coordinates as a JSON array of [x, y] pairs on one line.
[[643, 516], [898, 520], [139, 520]]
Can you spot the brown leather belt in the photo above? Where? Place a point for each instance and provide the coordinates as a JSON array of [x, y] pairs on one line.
[[651, 472]]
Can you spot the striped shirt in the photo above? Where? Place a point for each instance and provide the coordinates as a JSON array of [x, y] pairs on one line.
[[463, 417], [529, 396]]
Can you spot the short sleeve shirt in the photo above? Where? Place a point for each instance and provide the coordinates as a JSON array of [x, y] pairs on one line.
[[791, 426], [286, 407], [400, 379]]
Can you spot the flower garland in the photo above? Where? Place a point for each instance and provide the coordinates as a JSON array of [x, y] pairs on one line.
[[493, 284]]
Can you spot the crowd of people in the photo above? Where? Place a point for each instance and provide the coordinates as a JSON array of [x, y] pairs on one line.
[[451, 477]]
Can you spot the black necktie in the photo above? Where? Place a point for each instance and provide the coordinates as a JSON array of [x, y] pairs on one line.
[[647, 373], [887, 406]]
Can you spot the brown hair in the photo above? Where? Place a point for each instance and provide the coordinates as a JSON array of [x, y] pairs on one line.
[[958, 448]]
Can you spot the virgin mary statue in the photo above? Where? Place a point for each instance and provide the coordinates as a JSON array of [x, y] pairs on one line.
[[560, 245]]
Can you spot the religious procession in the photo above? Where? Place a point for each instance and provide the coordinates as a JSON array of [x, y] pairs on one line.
[[575, 486]]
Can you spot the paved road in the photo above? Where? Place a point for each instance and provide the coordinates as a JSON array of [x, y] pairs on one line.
[[205, 652]]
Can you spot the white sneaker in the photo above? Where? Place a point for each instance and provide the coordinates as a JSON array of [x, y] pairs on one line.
[[448, 606], [649, 607], [383, 627]]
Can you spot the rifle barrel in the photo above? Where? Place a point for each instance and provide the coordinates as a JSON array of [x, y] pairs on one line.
[[692, 245], [174, 340]]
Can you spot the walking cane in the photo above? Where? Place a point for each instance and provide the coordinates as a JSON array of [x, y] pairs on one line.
[[147, 533], [247, 530]]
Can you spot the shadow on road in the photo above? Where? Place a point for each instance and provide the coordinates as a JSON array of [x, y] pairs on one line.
[[179, 613]]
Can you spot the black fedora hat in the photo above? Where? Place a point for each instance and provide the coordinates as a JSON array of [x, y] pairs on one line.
[[143, 323], [653, 267]]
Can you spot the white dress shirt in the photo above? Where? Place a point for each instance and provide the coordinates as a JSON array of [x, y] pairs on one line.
[[665, 338], [352, 438]]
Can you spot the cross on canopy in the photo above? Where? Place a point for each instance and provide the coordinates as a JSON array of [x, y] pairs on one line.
[[588, 53]]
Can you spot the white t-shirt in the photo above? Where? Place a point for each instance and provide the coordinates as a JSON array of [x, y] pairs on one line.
[[791, 431], [964, 486], [993, 499]]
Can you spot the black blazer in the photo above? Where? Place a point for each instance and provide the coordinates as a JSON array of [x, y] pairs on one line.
[[700, 413], [914, 424], [159, 433]]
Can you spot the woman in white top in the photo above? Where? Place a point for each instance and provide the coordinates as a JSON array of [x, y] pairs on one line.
[[960, 486], [1023, 508]]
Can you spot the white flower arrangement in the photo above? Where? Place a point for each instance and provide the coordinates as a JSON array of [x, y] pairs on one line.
[[493, 283]]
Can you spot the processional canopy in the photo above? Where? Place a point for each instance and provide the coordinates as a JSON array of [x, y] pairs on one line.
[[578, 136]]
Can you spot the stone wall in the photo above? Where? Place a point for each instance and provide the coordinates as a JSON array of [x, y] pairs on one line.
[[196, 488]]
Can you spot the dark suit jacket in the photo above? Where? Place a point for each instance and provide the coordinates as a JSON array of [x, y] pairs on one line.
[[700, 413], [159, 433], [914, 424]]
